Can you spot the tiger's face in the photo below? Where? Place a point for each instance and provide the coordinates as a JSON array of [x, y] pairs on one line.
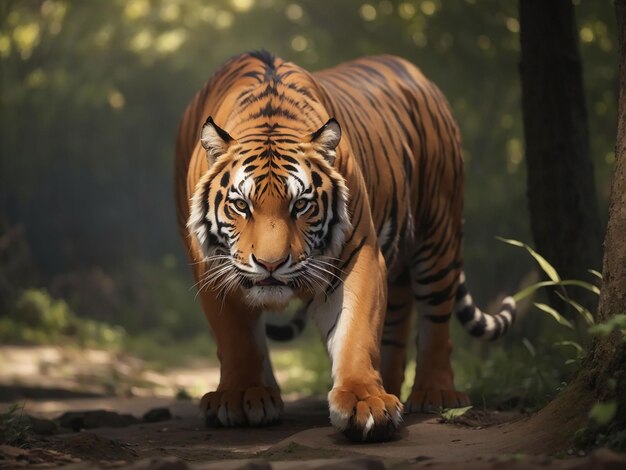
[[270, 214]]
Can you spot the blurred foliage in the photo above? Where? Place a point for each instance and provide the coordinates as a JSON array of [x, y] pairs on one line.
[[92, 92], [161, 351], [39, 319], [90, 98], [305, 365], [14, 427]]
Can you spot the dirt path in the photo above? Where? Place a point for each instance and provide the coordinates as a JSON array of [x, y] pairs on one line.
[[303, 440], [50, 381]]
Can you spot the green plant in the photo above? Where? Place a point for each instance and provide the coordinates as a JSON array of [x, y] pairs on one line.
[[38, 318], [602, 428], [615, 323], [450, 415], [603, 412], [553, 275], [527, 372], [14, 426], [556, 282]]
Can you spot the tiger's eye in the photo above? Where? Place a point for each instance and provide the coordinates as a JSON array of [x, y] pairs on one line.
[[241, 205], [300, 204]]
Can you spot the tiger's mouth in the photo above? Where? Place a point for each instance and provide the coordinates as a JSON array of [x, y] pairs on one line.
[[269, 281]]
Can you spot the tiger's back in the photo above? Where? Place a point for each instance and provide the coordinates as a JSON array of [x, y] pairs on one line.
[[407, 145]]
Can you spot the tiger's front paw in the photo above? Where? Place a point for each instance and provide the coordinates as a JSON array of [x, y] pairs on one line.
[[364, 412], [255, 406]]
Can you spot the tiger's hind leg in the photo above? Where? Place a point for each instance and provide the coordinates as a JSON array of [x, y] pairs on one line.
[[396, 332], [435, 275]]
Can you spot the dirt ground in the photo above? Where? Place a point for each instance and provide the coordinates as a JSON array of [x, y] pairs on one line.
[[302, 440], [175, 436]]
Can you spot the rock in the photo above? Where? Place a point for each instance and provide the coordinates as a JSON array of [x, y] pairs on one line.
[[78, 420], [40, 426], [157, 414]]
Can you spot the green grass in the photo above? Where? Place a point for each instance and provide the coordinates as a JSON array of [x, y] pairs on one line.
[[14, 427], [162, 351]]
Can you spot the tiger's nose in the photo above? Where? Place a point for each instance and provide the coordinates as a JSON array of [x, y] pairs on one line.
[[273, 265]]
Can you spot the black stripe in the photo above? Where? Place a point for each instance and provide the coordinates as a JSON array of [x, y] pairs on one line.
[[466, 315], [395, 344], [439, 318], [438, 297]]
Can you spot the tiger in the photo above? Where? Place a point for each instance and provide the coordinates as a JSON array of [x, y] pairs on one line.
[[342, 188]]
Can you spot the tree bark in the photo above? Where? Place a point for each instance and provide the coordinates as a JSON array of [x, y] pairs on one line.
[[561, 188], [608, 357]]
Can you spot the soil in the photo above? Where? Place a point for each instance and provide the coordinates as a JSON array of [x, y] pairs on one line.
[[77, 427], [304, 439]]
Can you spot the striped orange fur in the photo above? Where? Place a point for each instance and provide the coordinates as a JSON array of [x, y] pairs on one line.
[[343, 188]]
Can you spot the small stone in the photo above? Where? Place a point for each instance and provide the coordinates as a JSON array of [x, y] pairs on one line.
[[157, 414], [78, 420]]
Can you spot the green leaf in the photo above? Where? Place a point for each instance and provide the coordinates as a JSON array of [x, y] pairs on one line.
[[586, 314], [601, 329], [603, 413], [573, 344], [450, 414], [543, 263], [595, 273], [583, 284], [568, 282], [527, 291], [616, 322], [554, 314]]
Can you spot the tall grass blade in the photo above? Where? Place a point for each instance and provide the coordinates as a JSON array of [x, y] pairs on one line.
[[554, 314], [567, 282], [595, 273], [586, 314], [543, 263]]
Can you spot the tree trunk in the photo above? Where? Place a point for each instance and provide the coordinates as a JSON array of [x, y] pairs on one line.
[[561, 189], [608, 358]]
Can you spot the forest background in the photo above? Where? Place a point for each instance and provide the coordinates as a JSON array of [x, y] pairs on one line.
[[90, 98]]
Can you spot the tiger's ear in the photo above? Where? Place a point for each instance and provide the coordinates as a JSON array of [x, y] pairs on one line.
[[215, 140], [328, 137]]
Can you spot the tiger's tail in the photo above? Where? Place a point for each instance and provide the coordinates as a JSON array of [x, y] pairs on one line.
[[290, 330], [478, 323]]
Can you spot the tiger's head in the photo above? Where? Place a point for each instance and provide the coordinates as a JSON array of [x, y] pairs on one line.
[[270, 214]]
